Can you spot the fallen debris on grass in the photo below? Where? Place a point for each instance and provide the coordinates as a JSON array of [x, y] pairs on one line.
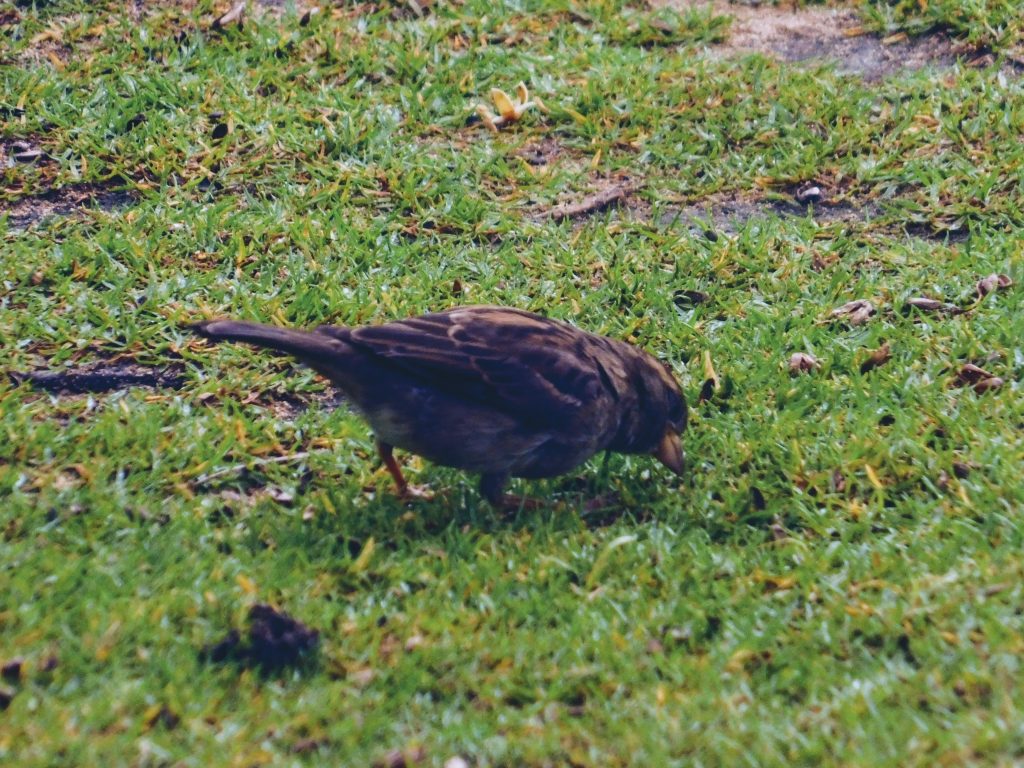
[[593, 203], [275, 640]]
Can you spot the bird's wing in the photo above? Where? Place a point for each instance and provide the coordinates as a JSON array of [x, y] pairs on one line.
[[542, 371]]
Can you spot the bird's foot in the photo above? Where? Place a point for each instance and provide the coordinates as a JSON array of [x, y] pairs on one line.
[[412, 492], [511, 503]]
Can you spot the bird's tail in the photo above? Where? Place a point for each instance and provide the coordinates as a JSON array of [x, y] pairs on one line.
[[305, 345]]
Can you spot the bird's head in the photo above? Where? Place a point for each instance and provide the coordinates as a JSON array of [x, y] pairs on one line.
[[659, 416], [669, 450]]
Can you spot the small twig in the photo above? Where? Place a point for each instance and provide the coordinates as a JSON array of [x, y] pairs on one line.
[[592, 203], [224, 472]]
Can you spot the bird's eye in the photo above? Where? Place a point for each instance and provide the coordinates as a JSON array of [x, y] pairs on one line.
[[677, 411]]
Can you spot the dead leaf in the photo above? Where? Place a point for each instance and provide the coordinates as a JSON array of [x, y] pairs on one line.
[[876, 358], [779, 533], [986, 385], [838, 481], [933, 305], [307, 745], [280, 495], [801, 362], [809, 195], [855, 312], [401, 758], [993, 283], [961, 469], [234, 15], [27, 154], [970, 374], [710, 384]]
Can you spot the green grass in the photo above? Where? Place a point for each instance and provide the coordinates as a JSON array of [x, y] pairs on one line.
[[823, 588]]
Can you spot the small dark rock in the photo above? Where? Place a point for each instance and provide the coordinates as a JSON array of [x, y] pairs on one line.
[[687, 296], [220, 130], [305, 746], [11, 670], [134, 122]]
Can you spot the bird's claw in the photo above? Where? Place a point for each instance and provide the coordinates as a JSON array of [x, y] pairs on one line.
[[411, 492]]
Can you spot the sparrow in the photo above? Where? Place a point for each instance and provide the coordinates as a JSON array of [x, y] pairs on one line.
[[492, 390]]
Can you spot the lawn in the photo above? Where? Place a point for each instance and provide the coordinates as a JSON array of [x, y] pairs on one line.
[[839, 578]]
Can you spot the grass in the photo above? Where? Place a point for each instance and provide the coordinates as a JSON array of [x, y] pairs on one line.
[[838, 579]]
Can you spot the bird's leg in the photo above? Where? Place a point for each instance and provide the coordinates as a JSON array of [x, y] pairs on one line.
[[405, 489], [492, 488]]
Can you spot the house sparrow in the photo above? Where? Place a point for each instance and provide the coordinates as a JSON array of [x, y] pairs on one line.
[[497, 391]]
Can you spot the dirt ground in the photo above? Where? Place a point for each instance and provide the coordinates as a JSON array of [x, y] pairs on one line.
[[816, 34]]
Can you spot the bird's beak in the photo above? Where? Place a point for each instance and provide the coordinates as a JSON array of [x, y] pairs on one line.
[[670, 452]]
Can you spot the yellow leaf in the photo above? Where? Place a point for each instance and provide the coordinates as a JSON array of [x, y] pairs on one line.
[[574, 115], [503, 104], [872, 477], [364, 557], [739, 660], [248, 585], [709, 368], [522, 93], [150, 715]]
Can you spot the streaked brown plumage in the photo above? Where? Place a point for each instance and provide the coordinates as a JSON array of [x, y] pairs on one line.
[[496, 391]]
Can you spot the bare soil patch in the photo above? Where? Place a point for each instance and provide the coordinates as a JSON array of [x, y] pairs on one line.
[[22, 151], [819, 35], [542, 152], [104, 377], [63, 201], [729, 213]]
